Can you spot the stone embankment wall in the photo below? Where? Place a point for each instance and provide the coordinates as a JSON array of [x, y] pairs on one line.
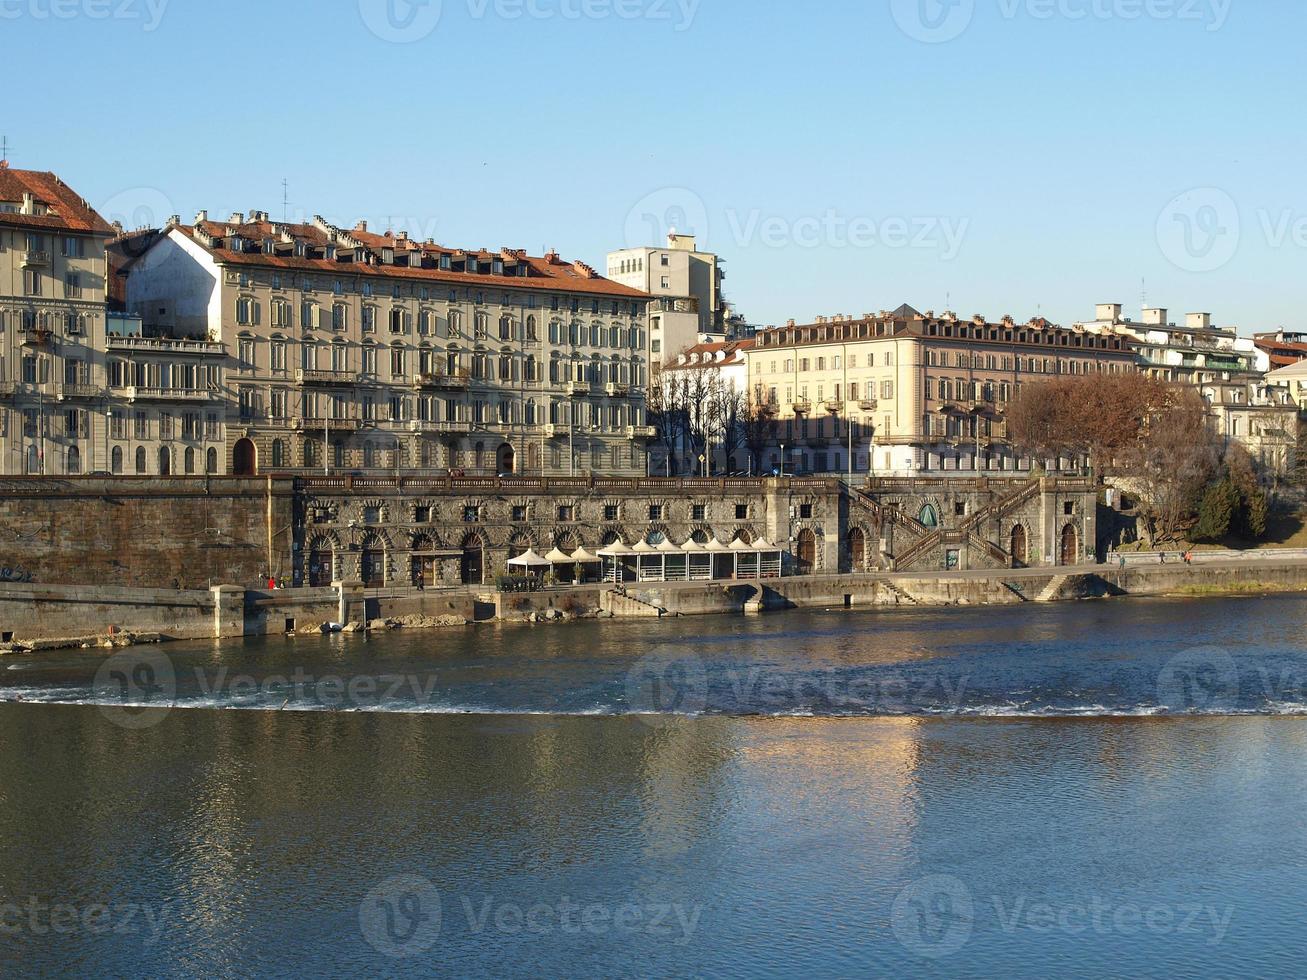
[[146, 532]]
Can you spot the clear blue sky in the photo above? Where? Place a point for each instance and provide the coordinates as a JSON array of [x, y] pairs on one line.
[[838, 162]]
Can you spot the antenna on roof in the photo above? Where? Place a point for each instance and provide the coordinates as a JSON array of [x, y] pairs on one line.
[[1143, 295], [4, 151], [285, 199]]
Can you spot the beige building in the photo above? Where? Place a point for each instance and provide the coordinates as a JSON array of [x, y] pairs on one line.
[[906, 393], [686, 286], [331, 350], [52, 326]]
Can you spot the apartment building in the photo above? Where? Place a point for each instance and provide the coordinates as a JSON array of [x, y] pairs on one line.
[[1282, 347], [53, 398], [686, 286], [331, 350], [709, 384], [1229, 371], [904, 393]]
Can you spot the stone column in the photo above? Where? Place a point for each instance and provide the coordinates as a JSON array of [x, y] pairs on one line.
[[228, 611], [350, 599]]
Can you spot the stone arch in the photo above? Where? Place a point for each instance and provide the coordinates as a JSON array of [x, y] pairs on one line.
[[744, 533], [856, 547], [472, 564], [1069, 550], [1019, 545], [928, 516], [244, 458], [372, 559], [805, 551], [320, 560], [567, 541]]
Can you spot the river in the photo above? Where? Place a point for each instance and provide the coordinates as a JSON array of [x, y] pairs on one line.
[[1087, 789]]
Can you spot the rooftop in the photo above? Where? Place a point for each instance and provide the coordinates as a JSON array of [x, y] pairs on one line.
[[40, 200]]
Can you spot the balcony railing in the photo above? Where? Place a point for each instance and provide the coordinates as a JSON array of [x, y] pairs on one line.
[[67, 392], [36, 257], [615, 390], [312, 377], [834, 406], [802, 407], [868, 405], [135, 393], [577, 388], [641, 432], [165, 345], [440, 379]]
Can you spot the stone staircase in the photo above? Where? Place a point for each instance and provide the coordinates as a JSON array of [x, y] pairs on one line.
[[971, 528], [626, 606], [1051, 590], [900, 595]]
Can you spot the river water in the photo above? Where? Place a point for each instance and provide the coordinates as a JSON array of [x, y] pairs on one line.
[[1091, 789]]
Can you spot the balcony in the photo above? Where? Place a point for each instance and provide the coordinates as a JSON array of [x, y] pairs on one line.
[[34, 257], [185, 395], [36, 336], [868, 405], [802, 407], [166, 345], [322, 423], [305, 377], [614, 390], [442, 380], [577, 389], [73, 392], [552, 431], [641, 432], [834, 406]]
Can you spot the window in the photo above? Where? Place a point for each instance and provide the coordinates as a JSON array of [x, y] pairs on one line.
[[698, 512], [471, 514], [339, 316], [31, 282], [369, 319], [73, 285], [741, 512], [610, 512], [567, 513], [805, 511], [655, 512], [519, 514]]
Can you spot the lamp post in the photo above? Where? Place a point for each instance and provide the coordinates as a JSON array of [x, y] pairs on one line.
[[782, 459]]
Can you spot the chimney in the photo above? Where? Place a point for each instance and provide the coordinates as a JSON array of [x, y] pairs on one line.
[[29, 203], [174, 220], [361, 226], [789, 323], [237, 218], [1111, 312], [1155, 317], [1199, 321], [201, 217]]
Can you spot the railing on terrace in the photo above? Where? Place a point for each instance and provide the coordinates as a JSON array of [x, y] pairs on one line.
[[563, 484], [165, 345]]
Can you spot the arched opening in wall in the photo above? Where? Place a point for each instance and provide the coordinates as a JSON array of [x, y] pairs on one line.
[[278, 454], [33, 465], [165, 461], [857, 550], [424, 561], [473, 562], [322, 563], [244, 458], [211, 461], [929, 517], [744, 535], [806, 552], [701, 536], [116, 460], [533, 458], [140, 460], [507, 459], [372, 562], [1070, 546], [189, 461], [74, 465], [1020, 549]]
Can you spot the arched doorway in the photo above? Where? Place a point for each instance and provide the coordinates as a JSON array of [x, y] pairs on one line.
[[165, 461], [806, 552], [372, 562], [1070, 545], [857, 550], [1020, 549], [74, 461], [506, 459], [423, 561], [322, 563], [929, 517], [473, 562], [244, 458]]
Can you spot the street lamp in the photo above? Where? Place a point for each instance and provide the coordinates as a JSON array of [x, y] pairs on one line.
[[782, 459]]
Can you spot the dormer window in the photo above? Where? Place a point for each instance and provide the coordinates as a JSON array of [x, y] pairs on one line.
[[445, 262], [498, 267]]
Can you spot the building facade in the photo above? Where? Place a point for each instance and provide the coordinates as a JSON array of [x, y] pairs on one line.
[[52, 327], [904, 393], [686, 286], [329, 350]]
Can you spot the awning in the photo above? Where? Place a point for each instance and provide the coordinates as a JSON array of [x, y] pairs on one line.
[[643, 547], [716, 546], [529, 560], [583, 557], [739, 544], [666, 546], [557, 557], [618, 549], [693, 547]]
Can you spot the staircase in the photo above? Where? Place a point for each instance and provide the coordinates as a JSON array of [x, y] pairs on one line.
[[971, 527], [1053, 588], [1016, 591], [900, 595], [626, 606]]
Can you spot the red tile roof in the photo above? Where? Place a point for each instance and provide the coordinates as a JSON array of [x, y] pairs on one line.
[[65, 209], [549, 273]]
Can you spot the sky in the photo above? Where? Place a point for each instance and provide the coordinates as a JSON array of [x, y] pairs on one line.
[[1022, 157]]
